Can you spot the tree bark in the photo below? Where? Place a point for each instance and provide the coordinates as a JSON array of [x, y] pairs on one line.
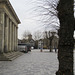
[[50, 45], [66, 40]]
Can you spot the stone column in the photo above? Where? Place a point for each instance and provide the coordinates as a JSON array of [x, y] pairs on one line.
[[10, 35], [13, 37], [6, 34], [16, 38], [2, 14]]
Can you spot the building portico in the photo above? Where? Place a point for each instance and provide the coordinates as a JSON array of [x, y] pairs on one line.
[[8, 27]]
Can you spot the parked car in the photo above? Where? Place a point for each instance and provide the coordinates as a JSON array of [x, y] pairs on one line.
[[22, 47], [28, 47]]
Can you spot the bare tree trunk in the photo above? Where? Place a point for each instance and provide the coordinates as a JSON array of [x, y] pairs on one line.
[[51, 45], [66, 41], [50, 39]]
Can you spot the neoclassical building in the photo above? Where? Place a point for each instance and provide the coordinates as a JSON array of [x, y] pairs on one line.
[[8, 27]]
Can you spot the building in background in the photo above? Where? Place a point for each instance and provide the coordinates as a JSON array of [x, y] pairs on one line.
[[40, 43], [45, 43], [30, 40], [55, 42]]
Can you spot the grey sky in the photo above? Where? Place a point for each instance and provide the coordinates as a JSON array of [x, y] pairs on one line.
[[25, 11]]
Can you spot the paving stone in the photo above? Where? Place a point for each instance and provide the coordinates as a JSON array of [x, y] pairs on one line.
[[32, 63]]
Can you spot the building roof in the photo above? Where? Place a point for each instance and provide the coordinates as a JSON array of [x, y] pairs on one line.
[[11, 9]]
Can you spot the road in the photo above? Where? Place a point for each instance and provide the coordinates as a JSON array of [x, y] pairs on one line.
[[32, 63]]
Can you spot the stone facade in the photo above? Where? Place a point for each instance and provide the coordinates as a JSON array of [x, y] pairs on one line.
[[8, 27], [55, 42]]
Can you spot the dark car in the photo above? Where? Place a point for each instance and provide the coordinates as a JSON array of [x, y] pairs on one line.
[[28, 47]]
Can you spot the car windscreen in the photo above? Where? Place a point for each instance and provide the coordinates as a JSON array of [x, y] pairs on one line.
[[22, 44]]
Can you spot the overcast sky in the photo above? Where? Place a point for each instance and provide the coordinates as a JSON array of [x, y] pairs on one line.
[[26, 11]]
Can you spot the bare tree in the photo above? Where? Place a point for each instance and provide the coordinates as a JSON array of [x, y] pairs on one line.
[[37, 35], [50, 36], [66, 17], [48, 12], [66, 41], [25, 34]]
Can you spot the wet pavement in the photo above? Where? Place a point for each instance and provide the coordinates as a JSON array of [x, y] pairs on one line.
[[32, 63]]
